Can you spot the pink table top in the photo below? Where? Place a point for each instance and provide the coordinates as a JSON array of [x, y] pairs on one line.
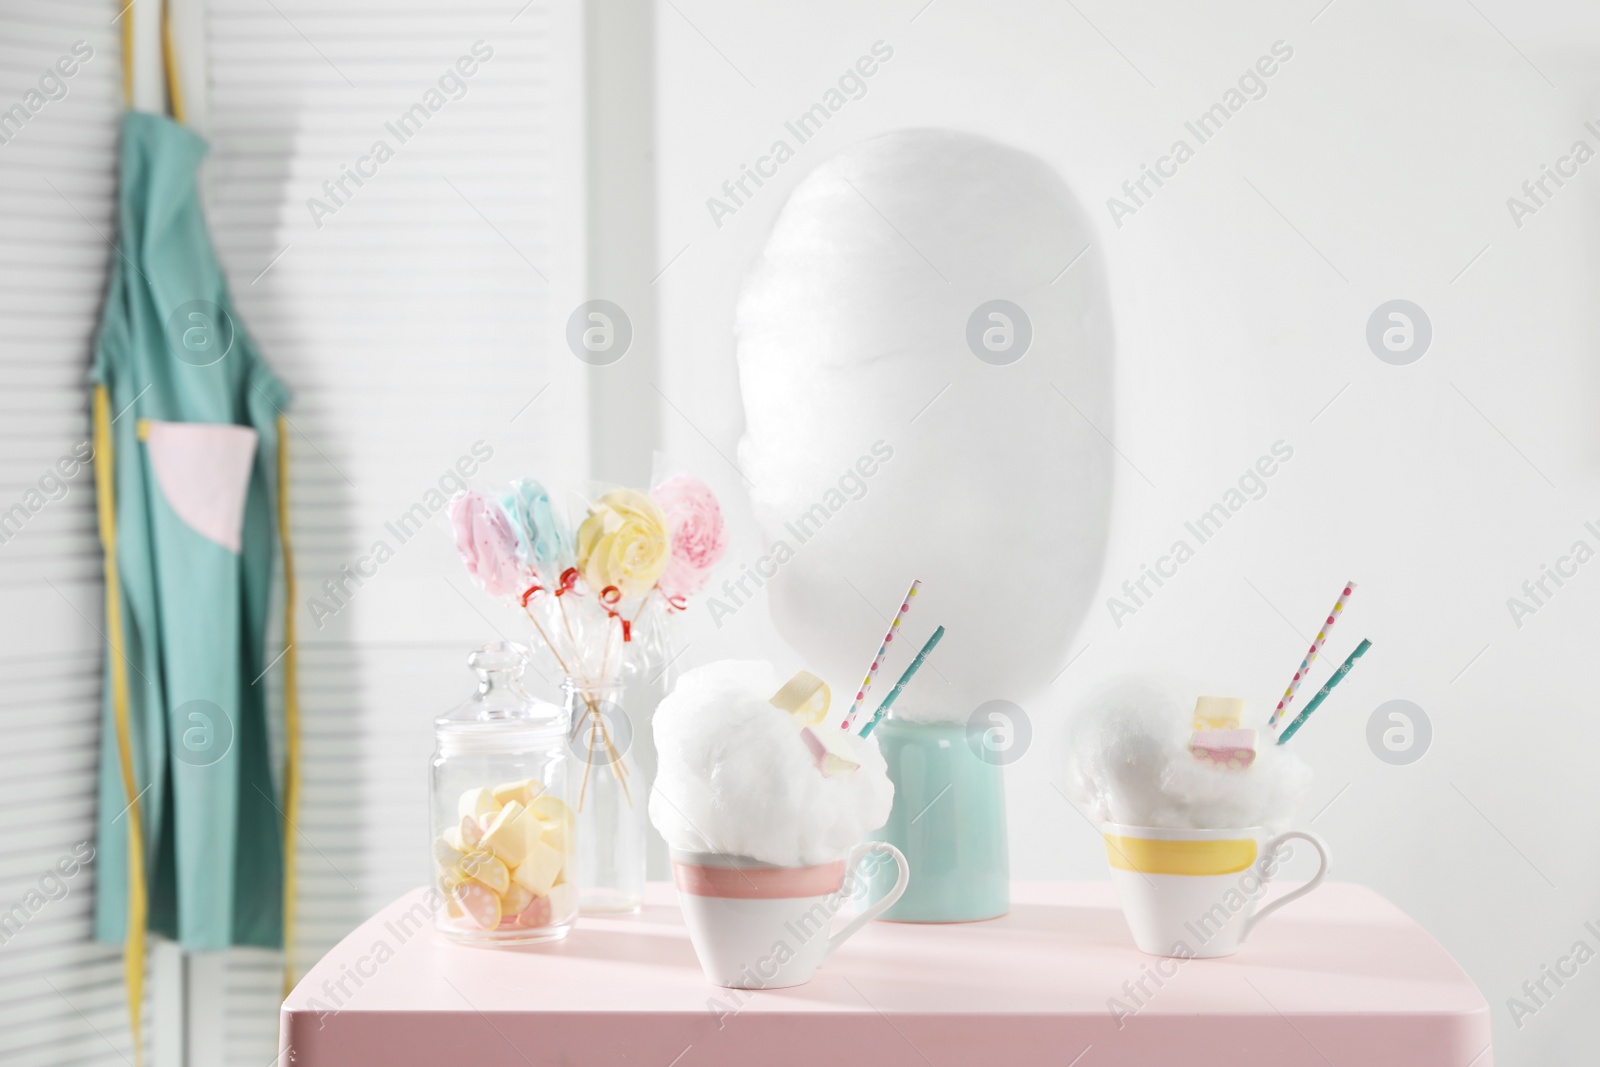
[[1340, 978]]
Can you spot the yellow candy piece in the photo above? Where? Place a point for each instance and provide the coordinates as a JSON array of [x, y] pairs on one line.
[[806, 697], [447, 883], [552, 809], [514, 899], [471, 832], [522, 792], [486, 867], [540, 870], [481, 904], [475, 802], [563, 902], [448, 850], [1218, 713], [558, 835], [512, 834]]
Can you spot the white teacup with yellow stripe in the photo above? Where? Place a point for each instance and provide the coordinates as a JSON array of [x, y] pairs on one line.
[[1193, 893]]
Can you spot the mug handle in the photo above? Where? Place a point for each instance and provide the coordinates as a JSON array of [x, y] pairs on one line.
[[1324, 854], [857, 854]]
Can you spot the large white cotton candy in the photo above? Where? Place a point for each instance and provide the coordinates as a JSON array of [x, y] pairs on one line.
[[852, 330], [733, 775], [1129, 763]]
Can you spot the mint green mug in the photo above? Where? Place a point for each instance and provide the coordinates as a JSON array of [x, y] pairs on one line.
[[949, 819]]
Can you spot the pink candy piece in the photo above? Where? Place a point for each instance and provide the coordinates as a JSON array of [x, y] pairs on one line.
[[831, 754], [1231, 749], [537, 913], [814, 745], [480, 903]]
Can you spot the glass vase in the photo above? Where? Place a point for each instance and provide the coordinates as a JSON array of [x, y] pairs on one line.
[[609, 797]]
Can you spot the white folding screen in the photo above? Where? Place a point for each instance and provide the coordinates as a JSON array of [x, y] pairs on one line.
[[418, 316], [61, 997], [395, 190]]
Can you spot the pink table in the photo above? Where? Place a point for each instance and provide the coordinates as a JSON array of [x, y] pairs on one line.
[[1342, 978]]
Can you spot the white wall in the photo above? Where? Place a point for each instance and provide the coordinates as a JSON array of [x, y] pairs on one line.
[[1376, 167]]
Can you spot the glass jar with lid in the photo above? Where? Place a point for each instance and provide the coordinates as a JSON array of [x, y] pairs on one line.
[[503, 828]]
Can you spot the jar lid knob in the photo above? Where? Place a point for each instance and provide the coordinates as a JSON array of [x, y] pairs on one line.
[[498, 656]]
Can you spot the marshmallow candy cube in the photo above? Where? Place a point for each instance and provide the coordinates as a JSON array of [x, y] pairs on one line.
[[514, 900], [476, 802], [564, 900], [480, 903], [537, 913], [557, 821], [522, 792], [487, 868], [449, 848], [1218, 713], [830, 750], [539, 871], [1233, 749], [552, 809], [558, 835], [512, 833], [559, 904]]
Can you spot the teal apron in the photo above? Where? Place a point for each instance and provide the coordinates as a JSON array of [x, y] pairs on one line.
[[188, 422]]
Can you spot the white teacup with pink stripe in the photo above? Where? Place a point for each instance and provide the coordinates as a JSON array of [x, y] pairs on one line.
[[755, 925]]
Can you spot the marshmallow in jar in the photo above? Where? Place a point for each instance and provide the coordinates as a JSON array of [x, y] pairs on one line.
[[503, 847]]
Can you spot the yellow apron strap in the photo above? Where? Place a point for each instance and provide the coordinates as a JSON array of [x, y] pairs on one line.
[[291, 710], [105, 498], [127, 55], [169, 60], [169, 63]]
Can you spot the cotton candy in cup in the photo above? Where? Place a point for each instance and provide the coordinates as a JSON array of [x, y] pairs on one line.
[[735, 777], [1129, 763]]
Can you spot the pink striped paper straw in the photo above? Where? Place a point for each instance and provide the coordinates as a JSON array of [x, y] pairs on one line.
[[1316, 646], [877, 660]]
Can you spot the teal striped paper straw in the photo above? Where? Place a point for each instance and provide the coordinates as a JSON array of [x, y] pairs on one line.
[[1322, 694], [888, 701]]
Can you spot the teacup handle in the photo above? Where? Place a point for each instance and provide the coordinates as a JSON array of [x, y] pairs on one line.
[[1324, 855], [857, 854]]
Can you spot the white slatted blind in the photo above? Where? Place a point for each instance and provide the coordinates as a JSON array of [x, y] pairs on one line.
[[420, 318], [61, 997]]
